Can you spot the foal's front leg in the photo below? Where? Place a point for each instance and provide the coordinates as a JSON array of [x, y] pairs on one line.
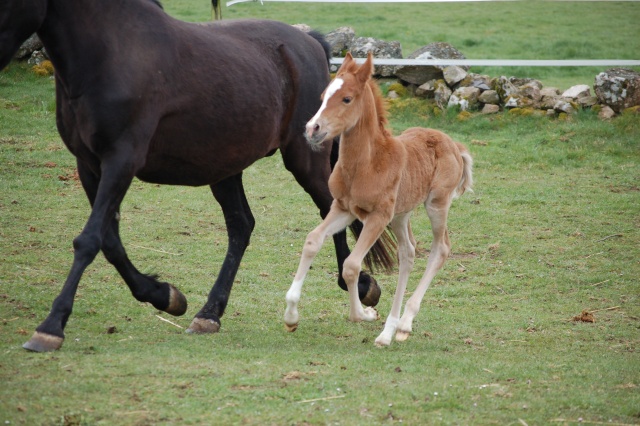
[[374, 226], [334, 222]]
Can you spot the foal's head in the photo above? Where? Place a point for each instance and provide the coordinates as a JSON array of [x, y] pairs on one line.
[[345, 101]]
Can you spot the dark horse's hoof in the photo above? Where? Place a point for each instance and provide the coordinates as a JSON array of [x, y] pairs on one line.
[[203, 326], [177, 302], [373, 294], [42, 342]]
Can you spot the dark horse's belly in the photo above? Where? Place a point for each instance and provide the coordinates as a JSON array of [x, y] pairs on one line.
[[204, 154]]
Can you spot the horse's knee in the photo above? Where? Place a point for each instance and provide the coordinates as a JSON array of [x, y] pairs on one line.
[[351, 270], [444, 250], [409, 254], [312, 245], [86, 246], [250, 223]]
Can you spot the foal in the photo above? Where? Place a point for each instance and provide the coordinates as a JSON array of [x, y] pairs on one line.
[[380, 179]]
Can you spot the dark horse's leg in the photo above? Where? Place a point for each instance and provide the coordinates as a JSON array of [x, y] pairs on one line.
[[240, 223], [145, 288], [100, 232], [306, 166]]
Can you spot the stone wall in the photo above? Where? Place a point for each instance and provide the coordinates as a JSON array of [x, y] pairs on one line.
[[615, 90]]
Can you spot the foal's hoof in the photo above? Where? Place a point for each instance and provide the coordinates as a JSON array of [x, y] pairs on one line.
[[373, 294], [203, 326], [401, 336], [371, 314], [290, 327], [382, 343], [177, 302], [42, 342]]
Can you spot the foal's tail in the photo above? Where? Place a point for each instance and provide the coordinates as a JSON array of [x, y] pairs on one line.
[[466, 181]]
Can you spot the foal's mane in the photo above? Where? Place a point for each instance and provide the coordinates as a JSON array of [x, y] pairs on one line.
[[380, 105]]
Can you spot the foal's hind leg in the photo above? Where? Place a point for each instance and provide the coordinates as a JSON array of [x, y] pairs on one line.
[[406, 254], [117, 174], [145, 288], [311, 170], [438, 210], [240, 222]]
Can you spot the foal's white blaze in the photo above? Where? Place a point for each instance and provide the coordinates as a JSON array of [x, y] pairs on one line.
[[335, 85]]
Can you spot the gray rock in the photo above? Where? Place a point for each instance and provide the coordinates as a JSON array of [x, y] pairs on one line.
[[504, 87], [490, 97], [490, 109], [516, 81], [482, 82], [549, 91], [426, 90], [606, 113], [516, 100], [587, 101], [550, 101], [341, 40], [530, 90], [575, 92], [37, 57], [618, 88], [564, 106], [392, 94], [32, 44], [453, 74], [381, 49], [465, 97], [419, 75], [442, 93]]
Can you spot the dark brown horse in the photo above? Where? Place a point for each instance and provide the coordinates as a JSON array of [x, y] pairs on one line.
[[140, 94]]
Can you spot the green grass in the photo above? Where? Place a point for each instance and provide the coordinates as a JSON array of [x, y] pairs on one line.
[[552, 229], [484, 30]]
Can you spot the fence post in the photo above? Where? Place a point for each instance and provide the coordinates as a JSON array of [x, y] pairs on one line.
[[216, 10]]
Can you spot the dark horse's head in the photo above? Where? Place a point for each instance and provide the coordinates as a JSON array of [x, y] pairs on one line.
[[18, 20]]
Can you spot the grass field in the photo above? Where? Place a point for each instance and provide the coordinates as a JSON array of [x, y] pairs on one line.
[[552, 229]]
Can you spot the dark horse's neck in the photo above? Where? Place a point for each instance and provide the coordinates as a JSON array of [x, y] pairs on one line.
[[80, 33]]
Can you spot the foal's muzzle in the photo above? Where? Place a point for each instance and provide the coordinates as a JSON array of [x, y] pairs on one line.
[[314, 134]]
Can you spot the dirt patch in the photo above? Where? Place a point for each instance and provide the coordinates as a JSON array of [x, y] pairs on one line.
[[585, 316], [424, 253]]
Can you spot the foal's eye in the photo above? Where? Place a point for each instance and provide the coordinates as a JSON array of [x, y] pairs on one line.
[[347, 100]]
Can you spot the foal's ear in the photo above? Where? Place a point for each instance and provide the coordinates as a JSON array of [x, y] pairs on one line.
[[366, 70], [348, 59]]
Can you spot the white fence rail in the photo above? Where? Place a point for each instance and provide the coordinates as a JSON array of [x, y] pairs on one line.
[[506, 62], [231, 3]]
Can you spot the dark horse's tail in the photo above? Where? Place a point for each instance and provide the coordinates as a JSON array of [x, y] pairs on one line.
[[382, 254], [324, 43]]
